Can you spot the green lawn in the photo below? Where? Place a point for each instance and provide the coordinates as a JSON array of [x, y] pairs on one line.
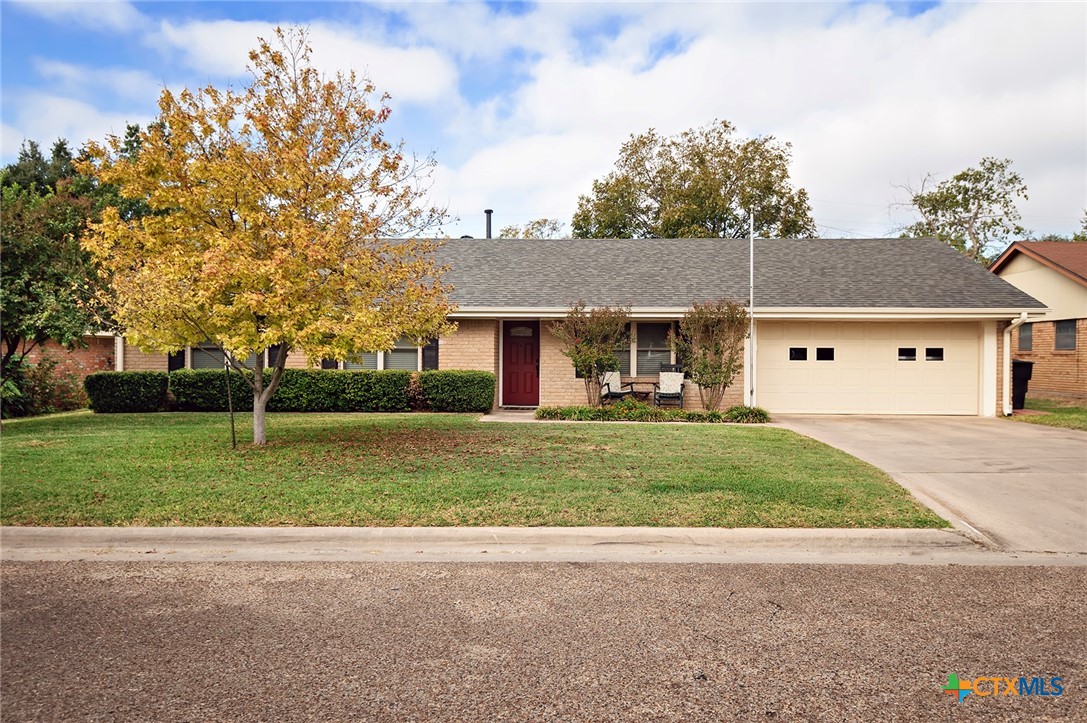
[[1070, 415], [424, 469]]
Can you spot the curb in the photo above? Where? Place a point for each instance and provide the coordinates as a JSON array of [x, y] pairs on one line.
[[501, 544]]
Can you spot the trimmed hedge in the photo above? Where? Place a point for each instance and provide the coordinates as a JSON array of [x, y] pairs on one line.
[[111, 392], [632, 410], [457, 391], [300, 390], [204, 390]]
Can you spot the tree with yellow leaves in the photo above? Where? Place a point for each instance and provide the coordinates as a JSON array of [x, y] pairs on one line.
[[281, 215]]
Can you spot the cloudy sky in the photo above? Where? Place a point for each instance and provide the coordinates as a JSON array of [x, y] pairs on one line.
[[524, 105]]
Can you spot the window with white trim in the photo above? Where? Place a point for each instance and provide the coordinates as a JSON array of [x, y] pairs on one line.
[[404, 355], [653, 348], [366, 360], [1064, 338], [1026, 337]]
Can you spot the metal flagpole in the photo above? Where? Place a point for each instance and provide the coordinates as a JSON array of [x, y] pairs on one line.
[[751, 311]]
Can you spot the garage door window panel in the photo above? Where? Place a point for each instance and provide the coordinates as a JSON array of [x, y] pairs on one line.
[[798, 353], [907, 353], [824, 353]]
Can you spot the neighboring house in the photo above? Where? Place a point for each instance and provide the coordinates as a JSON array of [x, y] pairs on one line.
[[1055, 273], [874, 326], [96, 356]]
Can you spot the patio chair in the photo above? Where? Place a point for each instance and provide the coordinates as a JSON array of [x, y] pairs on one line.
[[613, 387], [669, 387]]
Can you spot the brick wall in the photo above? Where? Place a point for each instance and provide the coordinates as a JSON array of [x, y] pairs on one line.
[[138, 361], [1056, 373], [297, 360], [560, 387], [97, 357], [473, 346]]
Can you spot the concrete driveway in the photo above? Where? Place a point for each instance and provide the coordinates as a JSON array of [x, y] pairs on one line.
[[1022, 486]]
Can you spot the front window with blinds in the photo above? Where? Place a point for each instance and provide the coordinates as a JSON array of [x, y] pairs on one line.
[[653, 349], [208, 356], [405, 355], [362, 361]]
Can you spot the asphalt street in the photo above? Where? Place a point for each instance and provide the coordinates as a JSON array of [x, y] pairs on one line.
[[533, 641]]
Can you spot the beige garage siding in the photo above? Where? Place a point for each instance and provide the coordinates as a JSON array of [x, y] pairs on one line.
[[866, 375]]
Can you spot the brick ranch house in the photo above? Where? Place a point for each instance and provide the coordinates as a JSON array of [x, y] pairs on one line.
[[874, 326], [1055, 273]]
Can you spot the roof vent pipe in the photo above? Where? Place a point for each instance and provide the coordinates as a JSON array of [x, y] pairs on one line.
[[488, 212]]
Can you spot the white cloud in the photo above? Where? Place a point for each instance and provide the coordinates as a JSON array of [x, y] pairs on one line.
[[96, 15], [86, 81], [868, 99], [221, 47], [44, 118]]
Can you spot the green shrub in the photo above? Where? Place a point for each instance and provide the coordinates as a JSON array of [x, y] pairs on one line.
[[127, 391], [712, 416], [747, 415], [204, 390], [28, 389], [300, 390], [372, 391], [632, 410], [457, 391]]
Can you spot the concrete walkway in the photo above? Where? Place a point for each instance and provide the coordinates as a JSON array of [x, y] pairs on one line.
[[508, 544], [1020, 487]]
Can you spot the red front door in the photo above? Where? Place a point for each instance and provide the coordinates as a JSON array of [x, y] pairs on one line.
[[521, 363]]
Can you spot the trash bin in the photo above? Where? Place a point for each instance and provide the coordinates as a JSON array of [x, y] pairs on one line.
[[1021, 373]]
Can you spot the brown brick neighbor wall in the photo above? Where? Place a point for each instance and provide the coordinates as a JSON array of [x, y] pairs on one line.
[[97, 357], [1057, 373]]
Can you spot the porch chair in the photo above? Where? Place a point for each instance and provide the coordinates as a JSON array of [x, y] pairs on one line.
[[613, 387], [669, 386]]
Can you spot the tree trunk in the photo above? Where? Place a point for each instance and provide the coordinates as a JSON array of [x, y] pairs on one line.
[[262, 394], [259, 405]]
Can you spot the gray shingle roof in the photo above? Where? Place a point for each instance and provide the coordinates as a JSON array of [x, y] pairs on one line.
[[843, 273]]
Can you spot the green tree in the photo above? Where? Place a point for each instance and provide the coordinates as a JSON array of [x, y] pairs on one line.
[[33, 170], [710, 346], [281, 216], [974, 211], [540, 228], [702, 183], [49, 286], [589, 339]]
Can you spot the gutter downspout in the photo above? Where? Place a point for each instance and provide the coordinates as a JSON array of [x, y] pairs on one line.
[[1006, 387], [118, 353]]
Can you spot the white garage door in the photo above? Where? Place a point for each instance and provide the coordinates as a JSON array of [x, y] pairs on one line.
[[868, 367]]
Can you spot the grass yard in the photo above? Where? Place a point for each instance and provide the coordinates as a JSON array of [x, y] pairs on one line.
[[429, 469], [1067, 414]]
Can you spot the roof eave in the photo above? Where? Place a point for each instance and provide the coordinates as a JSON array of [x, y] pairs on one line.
[[783, 312], [1021, 248]]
